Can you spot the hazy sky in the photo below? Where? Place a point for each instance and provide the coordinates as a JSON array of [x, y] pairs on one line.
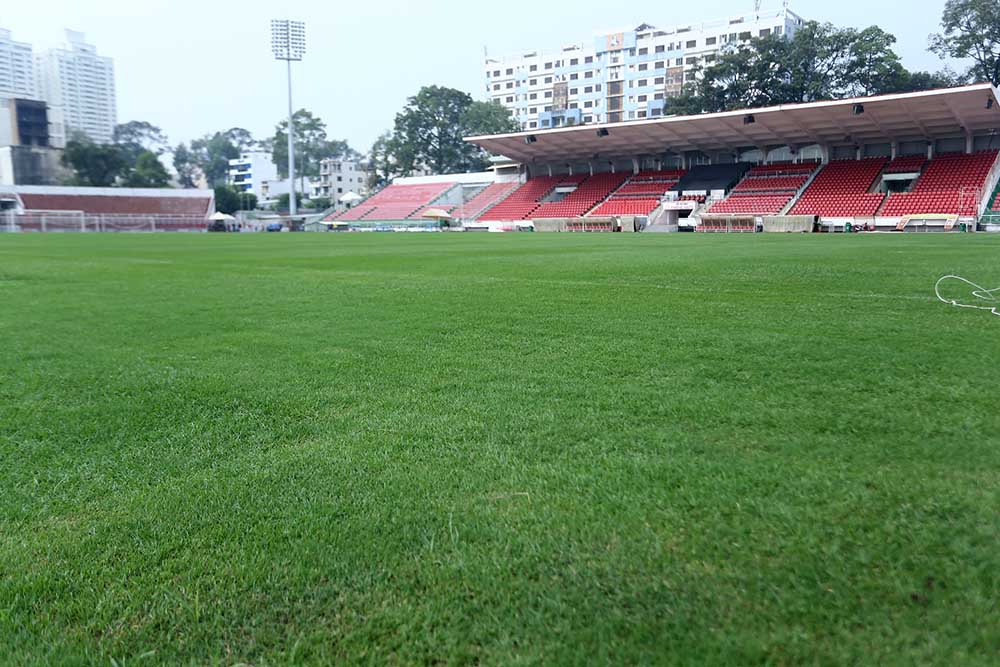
[[195, 67]]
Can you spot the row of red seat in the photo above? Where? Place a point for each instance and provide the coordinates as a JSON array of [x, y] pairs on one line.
[[772, 184], [523, 202], [770, 204], [783, 168], [951, 184], [654, 188], [625, 206], [587, 195], [486, 197], [842, 189], [906, 164]]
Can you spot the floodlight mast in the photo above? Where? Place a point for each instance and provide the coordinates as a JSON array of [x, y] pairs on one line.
[[288, 43]]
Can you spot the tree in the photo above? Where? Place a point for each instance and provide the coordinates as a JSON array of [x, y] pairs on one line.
[[486, 118], [971, 30], [872, 67], [229, 200], [212, 154], [311, 146], [429, 132], [185, 166], [137, 136], [95, 165], [382, 161], [820, 62], [241, 138], [148, 172]]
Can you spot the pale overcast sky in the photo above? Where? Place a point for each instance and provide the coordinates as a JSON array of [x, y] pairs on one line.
[[194, 67]]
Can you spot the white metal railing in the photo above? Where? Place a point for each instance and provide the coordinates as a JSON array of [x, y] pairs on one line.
[[989, 186], [78, 221]]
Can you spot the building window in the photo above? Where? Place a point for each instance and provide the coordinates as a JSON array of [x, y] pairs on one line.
[[643, 51], [692, 43], [510, 100], [548, 79], [777, 30], [710, 41], [658, 81], [496, 72], [765, 32], [510, 85], [496, 86], [660, 49], [574, 77], [643, 67], [588, 75], [642, 114], [548, 109], [533, 96], [588, 105], [533, 125], [548, 94], [588, 60], [659, 64], [744, 36], [692, 60], [574, 91], [510, 72], [679, 62], [597, 87], [533, 110], [548, 65], [588, 89], [533, 82], [643, 98], [574, 61], [642, 82], [588, 119], [533, 68], [658, 96]]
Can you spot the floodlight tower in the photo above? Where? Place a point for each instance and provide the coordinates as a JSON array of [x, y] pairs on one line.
[[288, 43]]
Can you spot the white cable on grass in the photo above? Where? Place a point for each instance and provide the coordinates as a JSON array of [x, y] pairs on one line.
[[978, 291]]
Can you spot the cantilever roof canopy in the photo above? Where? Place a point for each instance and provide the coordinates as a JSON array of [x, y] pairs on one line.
[[932, 114]]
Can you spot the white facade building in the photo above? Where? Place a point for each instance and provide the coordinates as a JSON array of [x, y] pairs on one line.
[[79, 86], [250, 171], [619, 76], [17, 68], [337, 177]]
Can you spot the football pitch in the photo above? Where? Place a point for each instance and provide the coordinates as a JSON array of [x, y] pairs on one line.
[[517, 449]]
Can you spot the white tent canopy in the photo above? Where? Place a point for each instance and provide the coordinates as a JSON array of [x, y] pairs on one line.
[[350, 198]]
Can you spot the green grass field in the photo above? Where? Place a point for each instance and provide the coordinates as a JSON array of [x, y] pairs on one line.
[[497, 449]]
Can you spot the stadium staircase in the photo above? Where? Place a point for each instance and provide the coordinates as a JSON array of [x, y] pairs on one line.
[[767, 189], [639, 195]]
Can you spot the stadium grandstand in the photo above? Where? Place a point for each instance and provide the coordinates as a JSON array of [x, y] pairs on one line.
[[927, 160], [54, 208]]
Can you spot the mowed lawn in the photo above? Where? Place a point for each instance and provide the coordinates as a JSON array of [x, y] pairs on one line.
[[523, 449]]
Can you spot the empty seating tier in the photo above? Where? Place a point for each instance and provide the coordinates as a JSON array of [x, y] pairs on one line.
[[521, 203], [662, 175], [395, 202], [773, 184], [783, 168], [951, 184], [587, 195], [625, 206], [644, 188], [753, 204], [907, 164], [842, 189], [487, 197]]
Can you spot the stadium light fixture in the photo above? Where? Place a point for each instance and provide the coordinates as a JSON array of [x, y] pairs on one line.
[[858, 109], [603, 132], [749, 119], [530, 139], [288, 43]]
